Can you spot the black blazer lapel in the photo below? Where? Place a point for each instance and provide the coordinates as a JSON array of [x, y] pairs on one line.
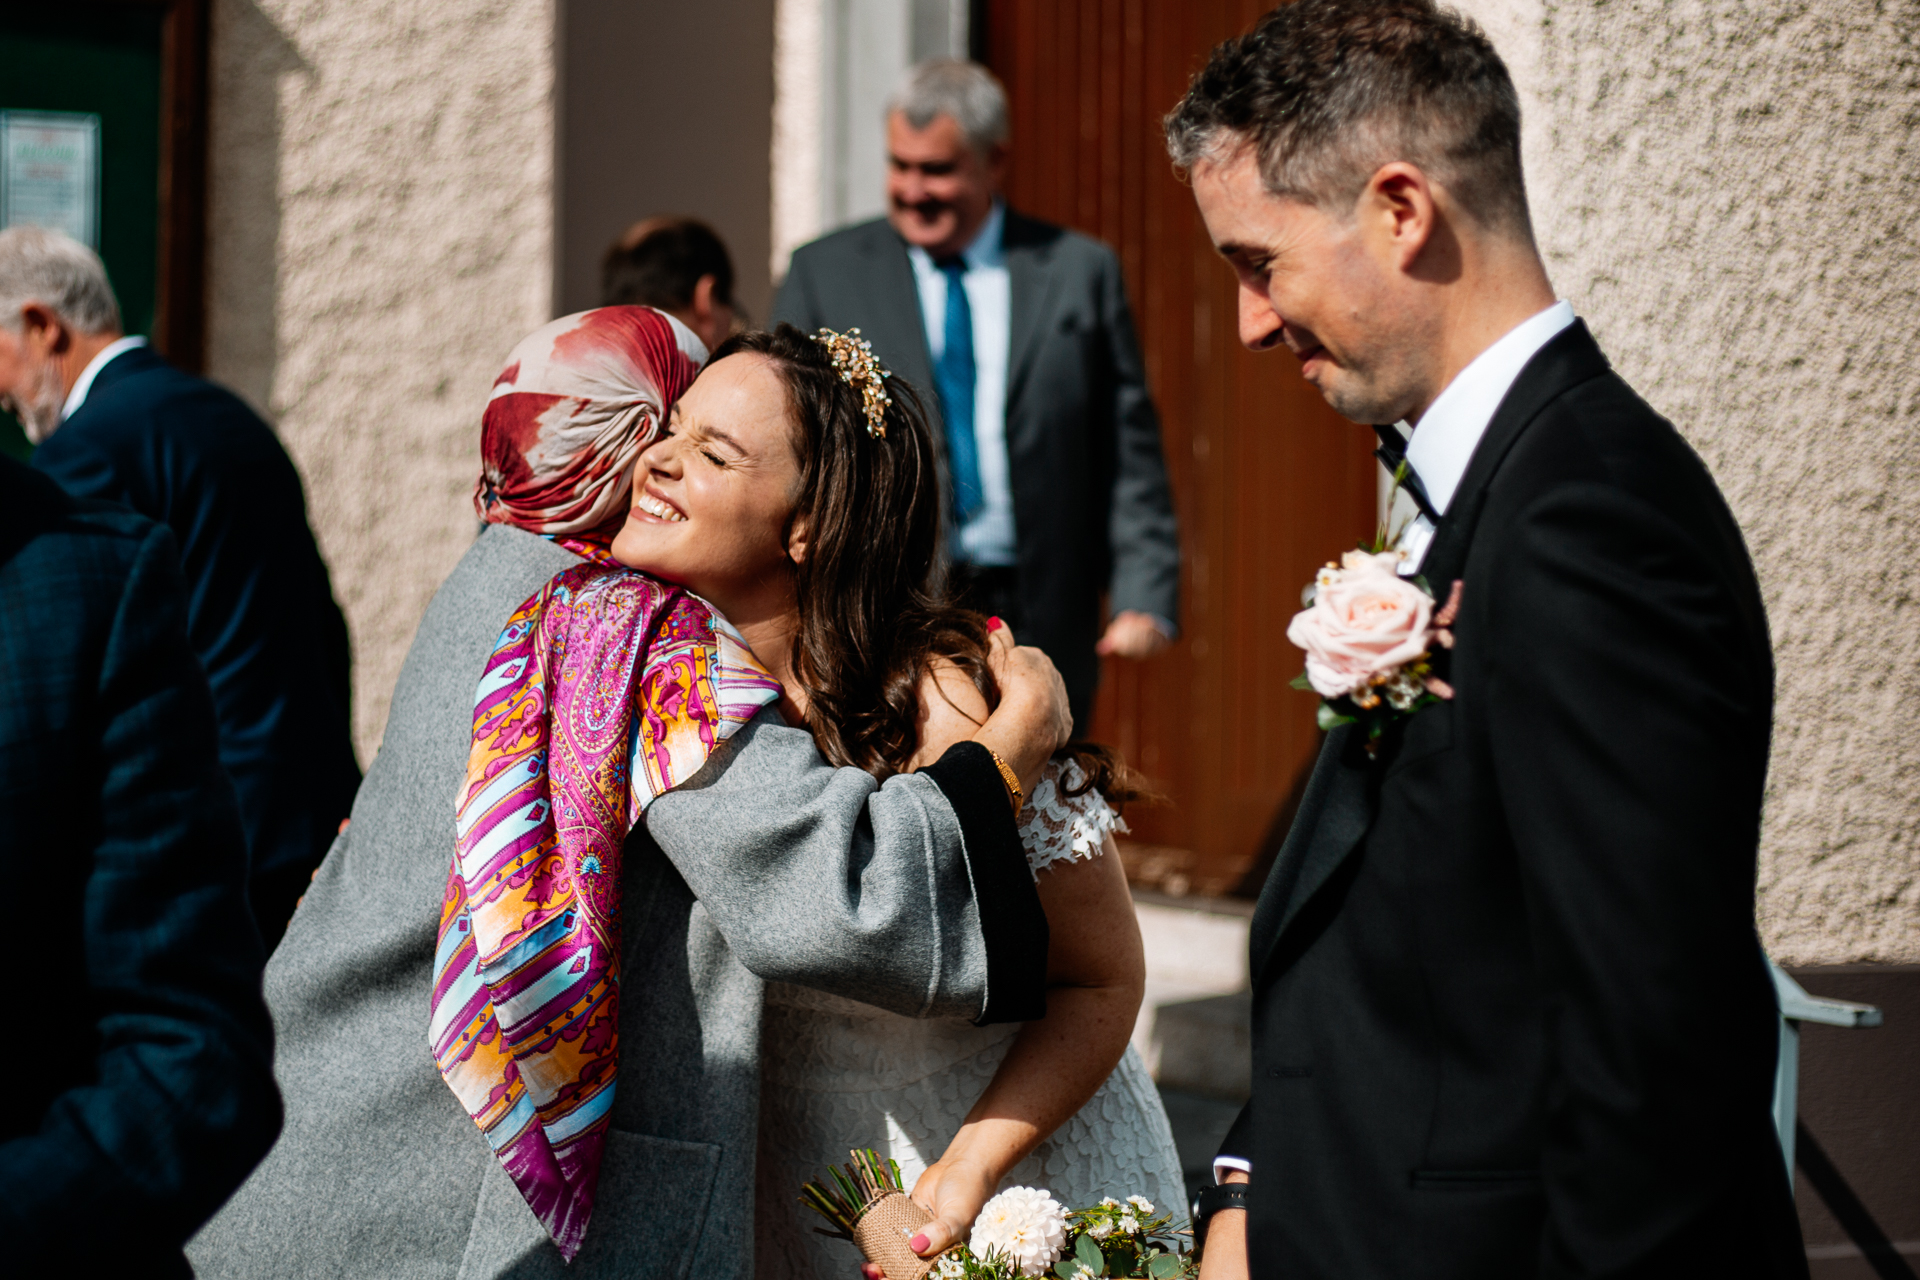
[[1569, 359], [1334, 816], [1028, 246]]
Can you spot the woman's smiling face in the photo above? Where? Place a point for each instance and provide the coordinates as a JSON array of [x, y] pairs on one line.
[[713, 498]]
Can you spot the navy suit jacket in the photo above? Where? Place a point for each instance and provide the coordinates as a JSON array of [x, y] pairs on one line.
[[140, 1092], [260, 608]]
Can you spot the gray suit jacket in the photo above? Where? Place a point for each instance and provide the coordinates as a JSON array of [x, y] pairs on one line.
[[913, 896], [1092, 508]]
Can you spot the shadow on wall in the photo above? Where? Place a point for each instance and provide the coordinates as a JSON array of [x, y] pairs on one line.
[[250, 58]]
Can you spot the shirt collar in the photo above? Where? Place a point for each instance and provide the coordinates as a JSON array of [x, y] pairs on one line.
[[84, 384], [984, 250], [1451, 428]]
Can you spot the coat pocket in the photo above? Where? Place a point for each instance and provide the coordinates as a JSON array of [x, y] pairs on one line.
[[1426, 732], [649, 1214]]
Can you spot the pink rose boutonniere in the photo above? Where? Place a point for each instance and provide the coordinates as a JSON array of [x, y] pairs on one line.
[[1369, 635]]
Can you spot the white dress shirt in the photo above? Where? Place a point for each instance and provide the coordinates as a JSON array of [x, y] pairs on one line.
[[1451, 428], [1442, 446], [84, 384], [988, 538]]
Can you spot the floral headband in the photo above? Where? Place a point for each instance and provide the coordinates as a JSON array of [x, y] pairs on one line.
[[854, 361]]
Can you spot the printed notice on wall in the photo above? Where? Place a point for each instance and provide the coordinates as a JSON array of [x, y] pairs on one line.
[[50, 172]]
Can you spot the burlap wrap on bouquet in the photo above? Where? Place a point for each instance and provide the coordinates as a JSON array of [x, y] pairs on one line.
[[883, 1231]]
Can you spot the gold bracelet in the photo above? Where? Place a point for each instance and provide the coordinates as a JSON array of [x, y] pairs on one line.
[[1012, 779]]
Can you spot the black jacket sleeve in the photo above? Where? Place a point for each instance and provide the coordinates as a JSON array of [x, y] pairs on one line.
[[1011, 918], [180, 1103], [1629, 710]]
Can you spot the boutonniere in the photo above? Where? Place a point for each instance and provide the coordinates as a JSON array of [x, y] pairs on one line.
[[1370, 635]]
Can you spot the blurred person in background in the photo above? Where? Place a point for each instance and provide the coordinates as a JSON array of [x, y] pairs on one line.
[[114, 421], [1019, 334], [679, 266], [143, 1092]]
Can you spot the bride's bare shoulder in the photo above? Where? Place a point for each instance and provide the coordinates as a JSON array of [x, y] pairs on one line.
[[952, 709]]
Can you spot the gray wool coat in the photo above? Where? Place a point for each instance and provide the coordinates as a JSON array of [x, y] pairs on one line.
[[913, 896]]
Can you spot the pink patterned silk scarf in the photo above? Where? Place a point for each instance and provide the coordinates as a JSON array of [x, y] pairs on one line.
[[606, 689]]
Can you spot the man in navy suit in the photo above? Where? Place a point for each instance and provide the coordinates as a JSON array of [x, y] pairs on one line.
[[139, 1090], [114, 421]]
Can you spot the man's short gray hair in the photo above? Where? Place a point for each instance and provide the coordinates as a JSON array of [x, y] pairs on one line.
[[953, 87], [58, 272]]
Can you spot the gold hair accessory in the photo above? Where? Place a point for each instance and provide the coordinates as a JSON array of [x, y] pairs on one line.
[[853, 359]]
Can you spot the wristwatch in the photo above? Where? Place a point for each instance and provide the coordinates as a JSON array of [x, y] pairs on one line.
[[1211, 1200]]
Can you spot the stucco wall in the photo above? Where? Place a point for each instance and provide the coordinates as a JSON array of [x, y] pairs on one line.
[[1727, 193], [380, 234]]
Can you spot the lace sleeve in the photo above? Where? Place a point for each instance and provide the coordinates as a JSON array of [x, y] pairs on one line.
[[1056, 827]]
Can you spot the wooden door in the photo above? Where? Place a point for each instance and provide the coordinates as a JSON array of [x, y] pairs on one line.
[[1268, 481]]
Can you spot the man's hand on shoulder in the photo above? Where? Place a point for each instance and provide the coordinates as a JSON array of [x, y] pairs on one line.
[[1133, 634]]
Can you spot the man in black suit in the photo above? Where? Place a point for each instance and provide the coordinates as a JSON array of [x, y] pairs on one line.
[[140, 1091], [1511, 1017], [114, 421], [1019, 339]]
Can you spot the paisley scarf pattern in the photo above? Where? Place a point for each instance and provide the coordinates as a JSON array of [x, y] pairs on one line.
[[606, 689]]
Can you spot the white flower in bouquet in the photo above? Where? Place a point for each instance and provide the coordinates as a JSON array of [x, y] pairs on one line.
[[1026, 1226], [1130, 1224], [1141, 1203]]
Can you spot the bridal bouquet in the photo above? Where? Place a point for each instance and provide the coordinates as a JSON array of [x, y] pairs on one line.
[[1022, 1232]]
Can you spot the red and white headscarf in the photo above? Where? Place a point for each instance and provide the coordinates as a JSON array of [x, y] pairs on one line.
[[578, 402]]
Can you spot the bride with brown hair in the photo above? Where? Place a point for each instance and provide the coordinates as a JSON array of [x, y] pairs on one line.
[[795, 489]]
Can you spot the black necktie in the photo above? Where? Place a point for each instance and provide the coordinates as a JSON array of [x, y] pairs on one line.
[[1393, 455]]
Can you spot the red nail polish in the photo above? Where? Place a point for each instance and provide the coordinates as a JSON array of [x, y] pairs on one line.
[[919, 1243], [994, 624]]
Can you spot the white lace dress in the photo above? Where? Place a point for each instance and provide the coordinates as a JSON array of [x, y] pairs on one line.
[[836, 1075]]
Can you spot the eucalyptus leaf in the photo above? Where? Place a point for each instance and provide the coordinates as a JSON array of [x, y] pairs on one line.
[[1163, 1267], [1066, 1268], [1331, 719], [1089, 1255]]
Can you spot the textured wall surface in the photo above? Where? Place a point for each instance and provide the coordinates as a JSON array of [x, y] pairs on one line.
[[1727, 193], [380, 234]]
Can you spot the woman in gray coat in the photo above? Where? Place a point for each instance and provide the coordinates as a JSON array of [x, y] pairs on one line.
[[768, 865]]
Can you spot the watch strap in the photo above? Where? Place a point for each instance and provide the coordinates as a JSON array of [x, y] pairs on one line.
[[1221, 1195]]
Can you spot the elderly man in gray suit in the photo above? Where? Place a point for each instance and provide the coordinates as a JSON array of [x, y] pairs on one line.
[[1019, 335]]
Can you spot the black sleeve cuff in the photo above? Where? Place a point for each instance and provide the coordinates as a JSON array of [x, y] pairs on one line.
[[1011, 921]]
